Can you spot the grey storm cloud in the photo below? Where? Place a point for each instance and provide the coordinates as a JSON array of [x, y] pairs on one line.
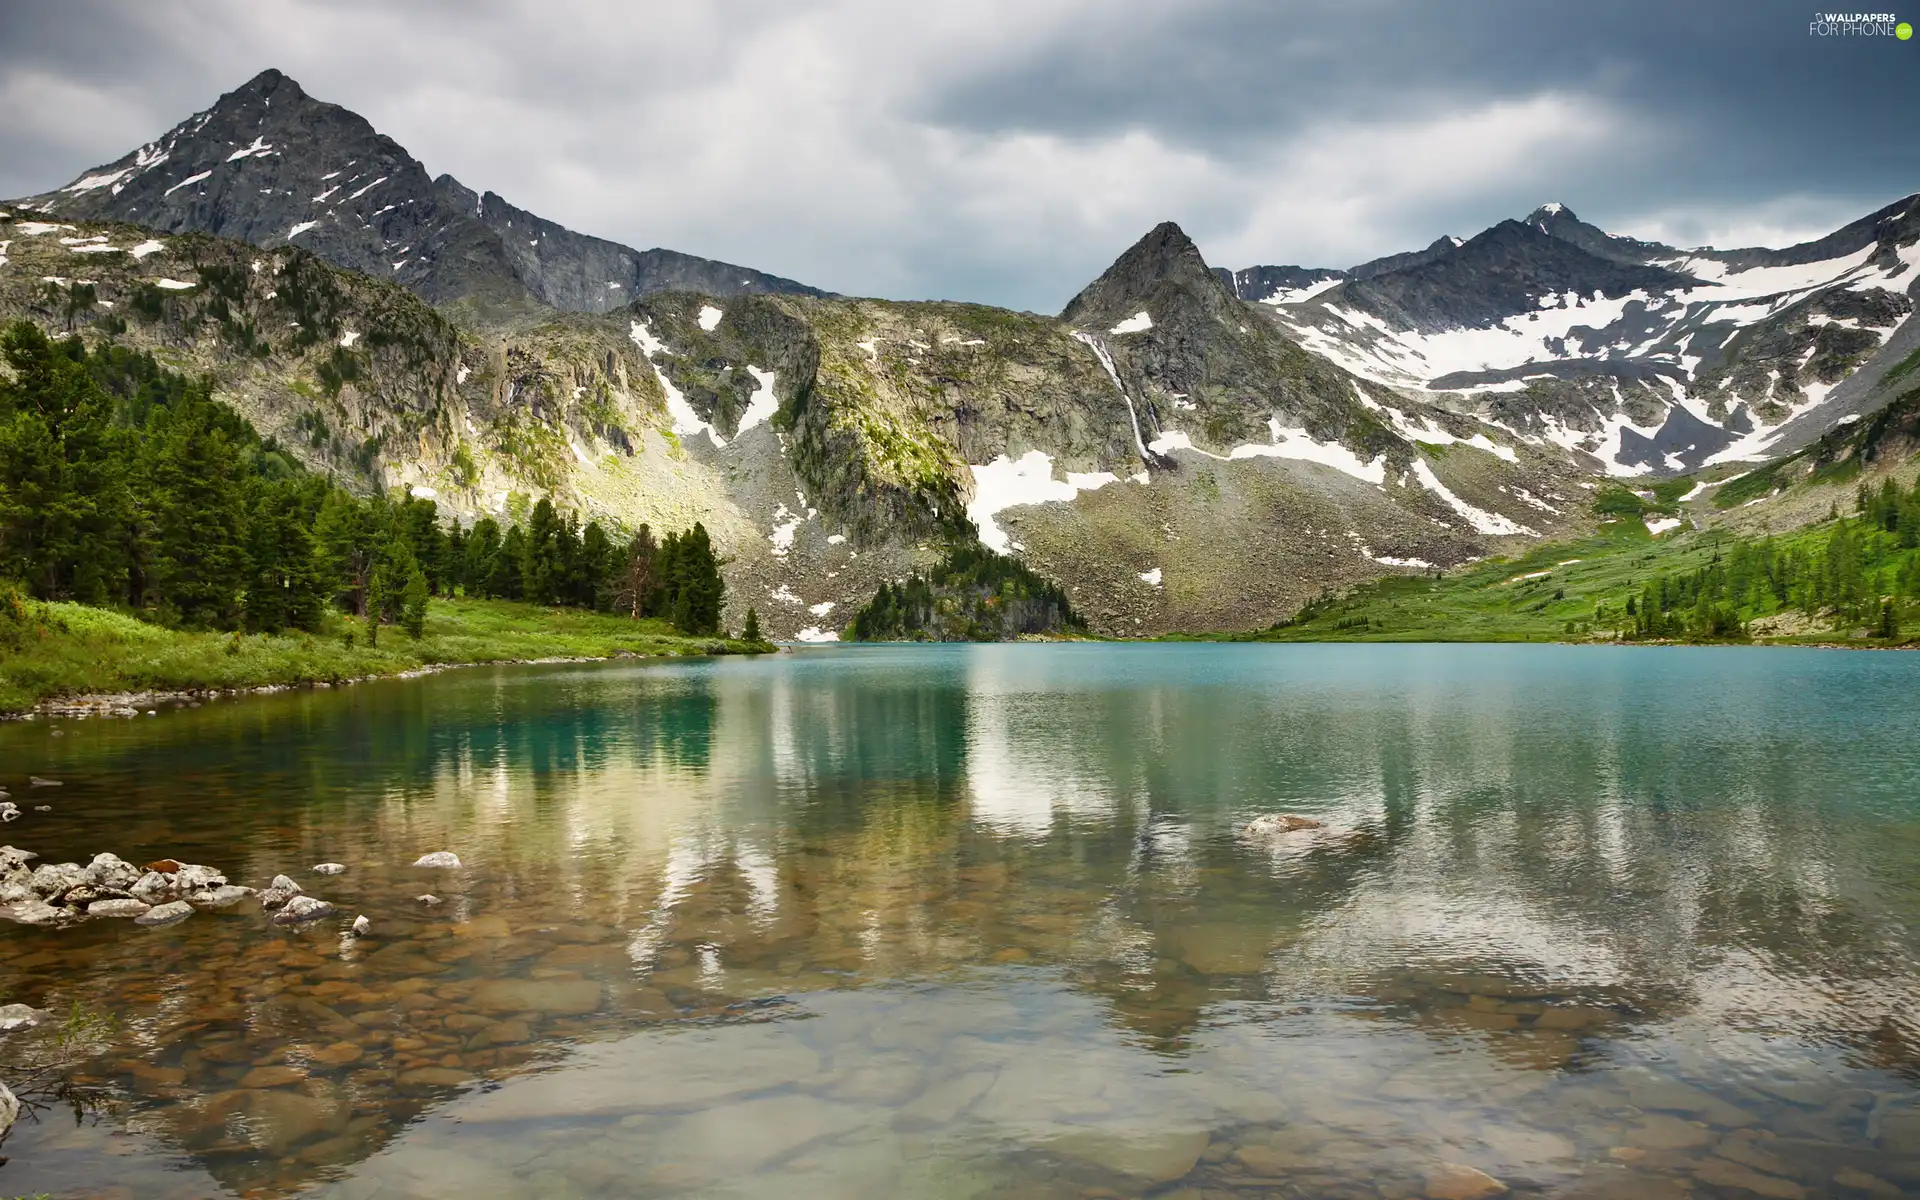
[[1006, 150]]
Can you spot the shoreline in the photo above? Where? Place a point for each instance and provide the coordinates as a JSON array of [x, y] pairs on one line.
[[131, 705]]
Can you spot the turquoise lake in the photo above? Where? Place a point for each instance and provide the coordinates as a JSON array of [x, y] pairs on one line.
[[972, 921]]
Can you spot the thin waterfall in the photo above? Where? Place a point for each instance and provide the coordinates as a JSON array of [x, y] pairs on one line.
[[1106, 360]]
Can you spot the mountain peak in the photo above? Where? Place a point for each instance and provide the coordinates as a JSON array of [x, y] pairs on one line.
[[1552, 210], [1165, 258], [268, 164]]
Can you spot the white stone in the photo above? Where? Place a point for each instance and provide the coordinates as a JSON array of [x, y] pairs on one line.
[[165, 914]]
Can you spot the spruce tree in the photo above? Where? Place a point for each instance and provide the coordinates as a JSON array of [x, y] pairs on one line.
[[413, 604], [481, 550], [193, 471], [638, 582], [63, 474], [750, 632], [595, 568], [505, 579]]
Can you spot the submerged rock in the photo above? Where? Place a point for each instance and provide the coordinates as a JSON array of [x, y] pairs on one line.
[[170, 913], [429, 901], [301, 909], [439, 858], [1457, 1181], [36, 781], [329, 868], [1274, 824]]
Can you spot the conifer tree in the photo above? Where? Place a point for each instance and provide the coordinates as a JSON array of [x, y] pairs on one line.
[[413, 604], [506, 578]]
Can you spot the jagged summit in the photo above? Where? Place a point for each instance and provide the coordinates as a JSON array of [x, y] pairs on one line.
[[1162, 263], [269, 164]]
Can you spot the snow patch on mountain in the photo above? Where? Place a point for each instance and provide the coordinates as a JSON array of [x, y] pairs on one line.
[[762, 404], [259, 146], [1491, 523], [191, 179], [686, 422], [710, 317], [1008, 483], [1139, 322]]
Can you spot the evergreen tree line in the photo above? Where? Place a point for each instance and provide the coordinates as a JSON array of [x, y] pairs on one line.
[[973, 594], [551, 560], [128, 485], [1865, 574]]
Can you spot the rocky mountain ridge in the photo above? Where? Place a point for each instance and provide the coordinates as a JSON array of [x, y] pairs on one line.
[[1189, 467], [1653, 359], [1176, 452], [271, 165]]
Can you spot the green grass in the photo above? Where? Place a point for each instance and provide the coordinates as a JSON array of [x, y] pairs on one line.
[[71, 649], [1565, 591]]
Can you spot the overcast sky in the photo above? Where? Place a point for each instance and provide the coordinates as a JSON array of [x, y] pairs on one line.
[[1006, 150]]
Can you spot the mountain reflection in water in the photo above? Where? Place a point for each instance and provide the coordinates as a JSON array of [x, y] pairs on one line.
[[962, 921]]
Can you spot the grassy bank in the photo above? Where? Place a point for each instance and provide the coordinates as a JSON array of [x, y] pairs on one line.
[[1580, 591], [49, 651]]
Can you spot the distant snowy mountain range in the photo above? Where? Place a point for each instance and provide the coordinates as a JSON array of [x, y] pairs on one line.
[[1650, 358]]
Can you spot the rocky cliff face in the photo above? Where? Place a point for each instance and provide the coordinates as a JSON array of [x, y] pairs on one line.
[[271, 165]]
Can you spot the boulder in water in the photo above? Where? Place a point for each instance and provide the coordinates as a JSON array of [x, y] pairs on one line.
[[301, 909], [329, 868], [56, 879], [36, 781], [279, 892], [225, 896], [18, 1016], [153, 887], [122, 907], [361, 926], [429, 900], [439, 858], [1273, 824], [192, 877], [39, 912], [9, 1110], [109, 871], [170, 913]]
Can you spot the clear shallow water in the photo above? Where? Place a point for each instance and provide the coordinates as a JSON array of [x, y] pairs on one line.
[[972, 921]]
